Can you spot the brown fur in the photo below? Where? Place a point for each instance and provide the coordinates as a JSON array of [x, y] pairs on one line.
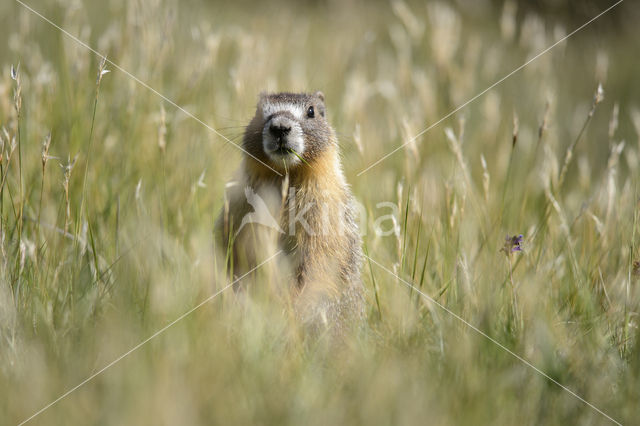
[[324, 276]]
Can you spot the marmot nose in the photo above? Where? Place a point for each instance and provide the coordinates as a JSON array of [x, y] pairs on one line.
[[279, 130]]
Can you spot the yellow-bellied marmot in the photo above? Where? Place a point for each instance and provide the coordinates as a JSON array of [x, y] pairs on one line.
[[291, 194]]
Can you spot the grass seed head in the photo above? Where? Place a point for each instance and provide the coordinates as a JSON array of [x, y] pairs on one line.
[[17, 94], [102, 70], [597, 98], [45, 150], [162, 130]]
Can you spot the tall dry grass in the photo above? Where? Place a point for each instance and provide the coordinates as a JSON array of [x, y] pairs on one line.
[[107, 224]]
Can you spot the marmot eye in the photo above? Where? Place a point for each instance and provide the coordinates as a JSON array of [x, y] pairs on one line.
[[310, 112]]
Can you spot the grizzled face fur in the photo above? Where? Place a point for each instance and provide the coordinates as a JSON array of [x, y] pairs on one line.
[[288, 128]]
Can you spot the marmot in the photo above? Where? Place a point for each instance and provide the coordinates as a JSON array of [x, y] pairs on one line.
[[305, 209]]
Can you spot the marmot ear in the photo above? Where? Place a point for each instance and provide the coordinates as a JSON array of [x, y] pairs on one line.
[[320, 95]]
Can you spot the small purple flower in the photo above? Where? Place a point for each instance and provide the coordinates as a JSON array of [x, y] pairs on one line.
[[512, 244]]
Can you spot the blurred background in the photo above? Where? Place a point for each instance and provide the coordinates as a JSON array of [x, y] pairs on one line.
[[109, 194]]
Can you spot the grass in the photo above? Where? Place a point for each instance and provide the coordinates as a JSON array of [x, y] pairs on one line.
[[107, 227]]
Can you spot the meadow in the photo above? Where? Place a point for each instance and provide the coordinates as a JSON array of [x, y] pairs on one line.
[[109, 192]]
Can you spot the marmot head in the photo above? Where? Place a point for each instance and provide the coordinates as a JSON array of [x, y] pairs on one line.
[[289, 129]]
